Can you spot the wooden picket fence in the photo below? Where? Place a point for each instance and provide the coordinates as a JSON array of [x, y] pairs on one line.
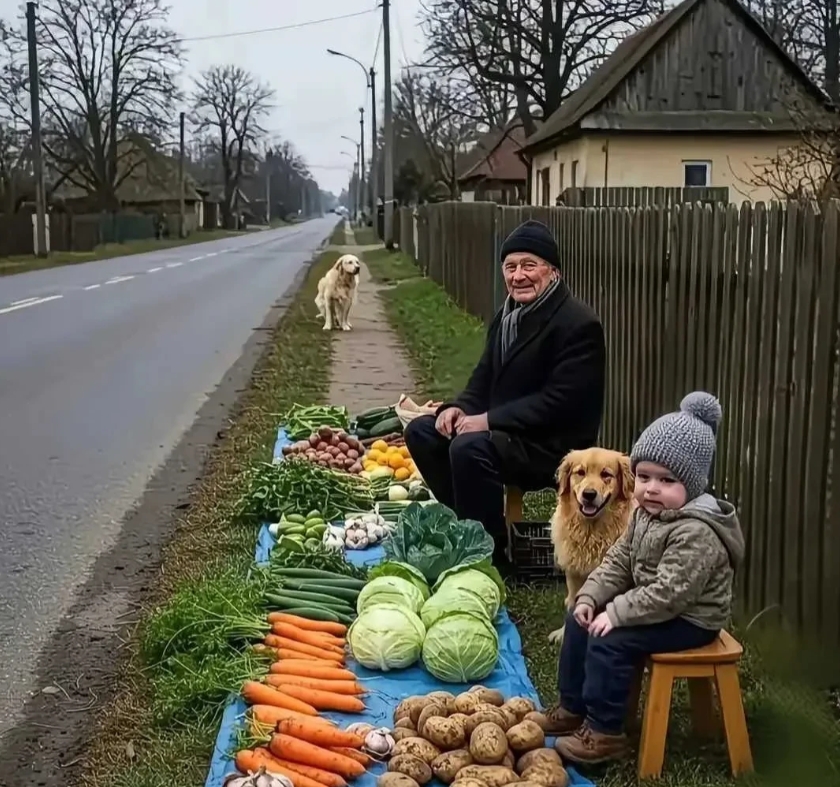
[[741, 301]]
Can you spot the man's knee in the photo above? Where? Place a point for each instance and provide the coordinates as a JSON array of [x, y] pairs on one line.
[[467, 448], [420, 432]]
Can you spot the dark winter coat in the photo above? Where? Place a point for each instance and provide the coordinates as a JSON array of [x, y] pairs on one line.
[[547, 398]]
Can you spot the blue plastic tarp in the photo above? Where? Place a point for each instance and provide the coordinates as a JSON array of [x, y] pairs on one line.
[[386, 688]]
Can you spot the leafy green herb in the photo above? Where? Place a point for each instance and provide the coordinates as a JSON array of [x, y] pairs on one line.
[[302, 420]]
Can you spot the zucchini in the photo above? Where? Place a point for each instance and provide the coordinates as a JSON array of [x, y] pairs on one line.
[[317, 573], [313, 613], [328, 584], [299, 598], [362, 434], [369, 418], [387, 426], [340, 594]]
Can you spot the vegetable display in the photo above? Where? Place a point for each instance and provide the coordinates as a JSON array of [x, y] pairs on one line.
[[378, 422], [302, 420], [329, 448], [390, 457]]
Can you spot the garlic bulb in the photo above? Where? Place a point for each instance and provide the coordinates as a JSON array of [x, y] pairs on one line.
[[360, 728], [259, 778], [379, 742]]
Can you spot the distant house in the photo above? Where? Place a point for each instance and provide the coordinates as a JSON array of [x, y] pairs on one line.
[[699, 98], [498, 174]]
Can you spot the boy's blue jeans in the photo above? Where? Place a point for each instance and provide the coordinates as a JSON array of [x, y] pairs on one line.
[[595, 674]]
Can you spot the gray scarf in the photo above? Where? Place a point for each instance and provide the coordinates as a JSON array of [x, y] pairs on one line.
[[512, 314]]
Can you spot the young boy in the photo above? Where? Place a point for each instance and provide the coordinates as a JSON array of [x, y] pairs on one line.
[[665, 585]]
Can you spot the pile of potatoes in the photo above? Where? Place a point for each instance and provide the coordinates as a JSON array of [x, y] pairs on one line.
[[477, 739]]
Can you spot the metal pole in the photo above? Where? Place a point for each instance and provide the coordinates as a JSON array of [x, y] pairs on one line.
[[389, 128], [182, 185], [374, 157], [362, 156], [268, 186], [37, 154]]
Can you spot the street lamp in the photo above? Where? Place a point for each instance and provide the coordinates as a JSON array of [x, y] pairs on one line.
[[370, 81]]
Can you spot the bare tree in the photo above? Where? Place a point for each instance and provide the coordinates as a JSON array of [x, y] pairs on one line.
[[540, 50], [108, 71], [427, 116], [228, 105]]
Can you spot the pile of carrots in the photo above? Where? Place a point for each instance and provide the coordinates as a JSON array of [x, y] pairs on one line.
[[307, 676]]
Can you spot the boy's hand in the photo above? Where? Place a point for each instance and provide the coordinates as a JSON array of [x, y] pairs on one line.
[[583, 615], [601, 626]]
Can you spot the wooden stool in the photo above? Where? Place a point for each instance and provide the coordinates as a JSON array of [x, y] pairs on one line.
[[716, 664], [513, 513]]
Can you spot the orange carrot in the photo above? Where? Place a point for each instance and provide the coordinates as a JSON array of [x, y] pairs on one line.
[[285, 747], [300, 635], [360, 757], [318, 774], [323, 700], [251, 760], [301, 647], [328, 737], [310, 669], [339, 629], [259, 694], [336, 686], [286, 654], [269, 715]]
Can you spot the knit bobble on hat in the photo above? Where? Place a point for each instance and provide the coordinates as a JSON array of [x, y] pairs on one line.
[[683, 442]]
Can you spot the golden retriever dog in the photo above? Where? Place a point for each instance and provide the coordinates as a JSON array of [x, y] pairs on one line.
[[594, 505], [337, 292]]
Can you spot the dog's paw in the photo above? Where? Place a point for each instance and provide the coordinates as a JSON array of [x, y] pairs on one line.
[[327, 328], [556, 637], [345, 327]]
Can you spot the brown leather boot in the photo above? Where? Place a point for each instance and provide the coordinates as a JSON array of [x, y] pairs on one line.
[[588, 747], [562, 721]]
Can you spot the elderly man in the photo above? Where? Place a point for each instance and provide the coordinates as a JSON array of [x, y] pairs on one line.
[[536, 393]]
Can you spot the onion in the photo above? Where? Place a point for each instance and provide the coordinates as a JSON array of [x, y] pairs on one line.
[[379, 742]]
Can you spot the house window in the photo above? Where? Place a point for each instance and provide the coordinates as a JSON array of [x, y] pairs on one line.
[[545, 186], [574, 173], [697, 173]]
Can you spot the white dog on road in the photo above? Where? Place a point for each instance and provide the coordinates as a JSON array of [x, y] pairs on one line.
[[337, 292]]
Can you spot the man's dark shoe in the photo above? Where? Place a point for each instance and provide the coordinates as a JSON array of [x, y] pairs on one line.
[[588, 747], [562, 721]]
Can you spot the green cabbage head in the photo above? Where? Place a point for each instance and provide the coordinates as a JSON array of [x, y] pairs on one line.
[[386, 637], [472, 579], [390, 590], [461, 647], [452, 599]]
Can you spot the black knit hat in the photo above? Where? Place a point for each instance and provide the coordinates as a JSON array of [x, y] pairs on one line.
[[535, 238]]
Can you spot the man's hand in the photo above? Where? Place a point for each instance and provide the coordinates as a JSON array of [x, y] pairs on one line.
[[446, 421], [583, 614], [601, 626], [472, 423]]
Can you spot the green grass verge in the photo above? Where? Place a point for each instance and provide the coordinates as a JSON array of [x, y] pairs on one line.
[[365, 236], [168, 702], [22, 264], [795, 738], [389, 267]]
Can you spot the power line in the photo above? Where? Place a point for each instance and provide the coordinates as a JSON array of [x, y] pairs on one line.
[[279, 28]]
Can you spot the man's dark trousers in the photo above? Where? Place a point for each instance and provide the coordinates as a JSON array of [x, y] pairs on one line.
[[462, 472], [595, 674]]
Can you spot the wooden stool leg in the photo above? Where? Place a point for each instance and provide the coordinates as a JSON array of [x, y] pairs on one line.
[[655, 724], [734, 719], [703, 717]]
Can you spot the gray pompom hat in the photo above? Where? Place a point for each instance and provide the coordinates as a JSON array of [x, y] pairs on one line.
[[683, 442]]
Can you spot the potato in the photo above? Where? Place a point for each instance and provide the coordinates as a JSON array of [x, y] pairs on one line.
[[405, 722], [431, 710], [483, 706], [412, 767], [539, 718], [395, 780], [494, 716], [417, 747], [467, 702], [525, 736], [536, 757], [401, 733], [547, 775], [510, 716], [521, 706], [470, 781], [490, 696], [463, 720], [491, 775], [524, 784], [509, 761], [444, 733], [445, 698], [410, 708], [446, 766], [488, 744]]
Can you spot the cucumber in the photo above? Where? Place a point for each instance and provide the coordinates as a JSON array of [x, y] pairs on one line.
[[291, 529], [318, 598], [313, 613], [297, 519], [297, 599], [314, 514], [348, 584], [387, 426], [313, 522], [338, 593], [315, 573]]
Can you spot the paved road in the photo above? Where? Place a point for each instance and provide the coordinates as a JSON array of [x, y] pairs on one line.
[[103, 366]]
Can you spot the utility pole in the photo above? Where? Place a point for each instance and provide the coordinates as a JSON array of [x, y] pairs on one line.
[[268, 157], [182, 184], [389, 128], [374, 175], [37, 154], [362, 158]]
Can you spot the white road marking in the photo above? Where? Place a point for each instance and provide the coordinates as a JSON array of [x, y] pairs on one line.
[[175, 265], [154, 270], [118, 279], [30, 303], [196, 259], [93, 287], [211, 254], [23, 300]]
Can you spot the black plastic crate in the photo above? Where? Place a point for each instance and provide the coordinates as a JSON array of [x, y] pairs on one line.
[[532, 552]]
